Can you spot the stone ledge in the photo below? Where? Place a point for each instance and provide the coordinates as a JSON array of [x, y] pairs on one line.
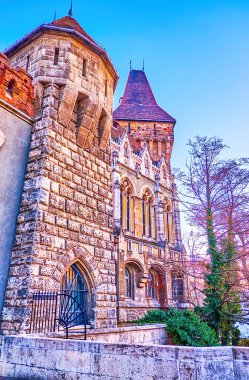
[[40, 358]]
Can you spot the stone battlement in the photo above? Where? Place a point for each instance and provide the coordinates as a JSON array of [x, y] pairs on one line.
[[16, 87]]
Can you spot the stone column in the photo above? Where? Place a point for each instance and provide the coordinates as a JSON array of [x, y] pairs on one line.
[[116, 208], [159, 148], [177, 222], [116, 195]]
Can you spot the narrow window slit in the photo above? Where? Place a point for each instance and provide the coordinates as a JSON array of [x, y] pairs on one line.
[[56, 56], [84, 67], [27, 63]]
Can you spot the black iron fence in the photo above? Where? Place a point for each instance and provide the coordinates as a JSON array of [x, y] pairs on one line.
[[55, 311]]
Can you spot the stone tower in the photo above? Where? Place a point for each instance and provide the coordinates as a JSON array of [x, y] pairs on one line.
[[66, 209], [146, 215], [144, 119], [146, 122]]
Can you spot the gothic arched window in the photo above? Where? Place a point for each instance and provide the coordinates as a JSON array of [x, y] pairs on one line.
[[128, 201], [132, 275], [177, 284], [148, 214], [167, 220], [153, 284], [150, 287], [144, 216], [126, 205], [129, 286], [149, 217]]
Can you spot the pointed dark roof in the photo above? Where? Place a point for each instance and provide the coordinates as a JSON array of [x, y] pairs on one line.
[[138, 102], [69, 22]]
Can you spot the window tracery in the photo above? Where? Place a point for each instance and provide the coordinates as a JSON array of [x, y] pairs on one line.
[[148, 214], [126, 205], [168, 221]]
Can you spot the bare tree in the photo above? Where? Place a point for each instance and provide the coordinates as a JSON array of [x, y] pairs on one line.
[[217, 202]]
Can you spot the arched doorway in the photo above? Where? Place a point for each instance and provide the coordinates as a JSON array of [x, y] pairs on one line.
[[75, 282]]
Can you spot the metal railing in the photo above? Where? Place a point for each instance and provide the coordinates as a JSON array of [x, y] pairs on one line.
[[55, 311]]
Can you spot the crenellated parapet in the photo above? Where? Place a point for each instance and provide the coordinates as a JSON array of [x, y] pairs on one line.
[[16, 87]]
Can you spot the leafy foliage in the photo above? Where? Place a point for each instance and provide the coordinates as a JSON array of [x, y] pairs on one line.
[[185, 326], [217, 203]]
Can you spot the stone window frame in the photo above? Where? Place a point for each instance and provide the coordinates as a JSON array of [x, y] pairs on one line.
[[148, 222], [167, 219], [129, 284], [132, 275], [177, 287], [158, 273], [126, 205], [152, 285], [84, 67]]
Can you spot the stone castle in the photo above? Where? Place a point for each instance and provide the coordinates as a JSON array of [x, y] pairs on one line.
[[87, 198]]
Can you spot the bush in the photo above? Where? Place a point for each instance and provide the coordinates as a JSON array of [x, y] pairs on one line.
[[185, 326], [154, 316], [244, 342]]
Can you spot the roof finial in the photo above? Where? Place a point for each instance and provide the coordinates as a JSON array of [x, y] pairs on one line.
[[130, 65], [70, 12], [54, 15], [143, 64]]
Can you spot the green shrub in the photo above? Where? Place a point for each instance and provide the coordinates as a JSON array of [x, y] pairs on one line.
[[185, 326], [243, 342], [154, 316]]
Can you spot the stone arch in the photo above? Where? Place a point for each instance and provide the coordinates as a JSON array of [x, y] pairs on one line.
[[80, 254], [158, 268], [167, 203], [135, 274], [161, 289], [135, 262], [147, 189], [127, 183], [82, 258]]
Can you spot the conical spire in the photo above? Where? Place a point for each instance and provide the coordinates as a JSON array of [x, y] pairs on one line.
[[70, 12], [138, 102]]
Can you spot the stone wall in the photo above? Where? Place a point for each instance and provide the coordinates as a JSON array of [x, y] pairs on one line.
[[44, 358], [16, 111], [149, 334]]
